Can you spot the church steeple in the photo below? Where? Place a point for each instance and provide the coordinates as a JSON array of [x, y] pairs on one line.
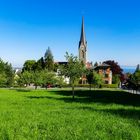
[[82, 44], [83, 38]]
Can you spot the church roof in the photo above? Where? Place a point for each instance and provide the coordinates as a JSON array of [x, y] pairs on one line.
[[82, 38], [62, 63], [102, 66]]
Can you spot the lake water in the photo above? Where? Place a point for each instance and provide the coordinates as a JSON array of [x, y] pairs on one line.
[[130, 69]]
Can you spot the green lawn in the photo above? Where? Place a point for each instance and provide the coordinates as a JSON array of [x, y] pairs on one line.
[[53, 115]]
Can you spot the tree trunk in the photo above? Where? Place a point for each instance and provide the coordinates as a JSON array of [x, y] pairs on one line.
[[90, 93], [73, 90], [35, 87], [90, 87]]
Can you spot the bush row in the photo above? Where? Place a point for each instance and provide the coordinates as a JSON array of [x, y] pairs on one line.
[[93, 86]]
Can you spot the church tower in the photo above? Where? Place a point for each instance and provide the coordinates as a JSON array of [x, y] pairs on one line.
[[82, 44]]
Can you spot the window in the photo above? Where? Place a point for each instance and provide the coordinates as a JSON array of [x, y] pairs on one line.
[[83, 54], [106, 75], [106, 82]]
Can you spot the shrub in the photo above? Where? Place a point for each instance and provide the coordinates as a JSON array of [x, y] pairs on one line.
[[110, 85], [93, 86]]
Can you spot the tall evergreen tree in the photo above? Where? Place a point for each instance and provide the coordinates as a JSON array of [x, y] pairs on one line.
[[138, 68], [49, 61], [40, 64]]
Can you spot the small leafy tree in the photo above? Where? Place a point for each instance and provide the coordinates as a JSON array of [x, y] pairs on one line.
[[49, 78], [115, 79], [97, 79], [74, 69], [26, 78], [60, 81], [37, 78], [136, 77]]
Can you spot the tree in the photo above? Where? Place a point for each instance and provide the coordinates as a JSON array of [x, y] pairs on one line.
[[29, 65], [2, 79], [138, 68], [49, 61], [60, 81], [56, 66], [74, 69], [40, 64], [115, 79], [48, 77], [9, 74], [6, 74], [136, 77], [26, 78], [90, 77], [37, 78], [97, 79]]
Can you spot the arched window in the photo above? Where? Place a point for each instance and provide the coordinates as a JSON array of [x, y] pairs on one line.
[[83, 54]]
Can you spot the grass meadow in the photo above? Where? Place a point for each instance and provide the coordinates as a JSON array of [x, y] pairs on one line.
[[53, 115]]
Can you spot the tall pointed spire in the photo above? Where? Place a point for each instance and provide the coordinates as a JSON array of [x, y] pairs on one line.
[[82, 38], [82, 44]]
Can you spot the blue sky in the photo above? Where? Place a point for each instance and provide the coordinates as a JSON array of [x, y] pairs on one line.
[[28, 27]]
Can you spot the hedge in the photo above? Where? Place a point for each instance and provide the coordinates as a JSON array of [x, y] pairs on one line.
[[93, 86]]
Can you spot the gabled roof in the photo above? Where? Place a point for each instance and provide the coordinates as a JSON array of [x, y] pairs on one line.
[[102, 66], [62, 63]]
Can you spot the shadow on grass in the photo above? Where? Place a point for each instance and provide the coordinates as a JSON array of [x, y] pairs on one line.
[[40, 97], [100, 96], [125, 113], [96, 96], [22, 90]]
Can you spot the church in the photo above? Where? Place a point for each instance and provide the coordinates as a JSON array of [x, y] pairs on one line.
[[102, 69]]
